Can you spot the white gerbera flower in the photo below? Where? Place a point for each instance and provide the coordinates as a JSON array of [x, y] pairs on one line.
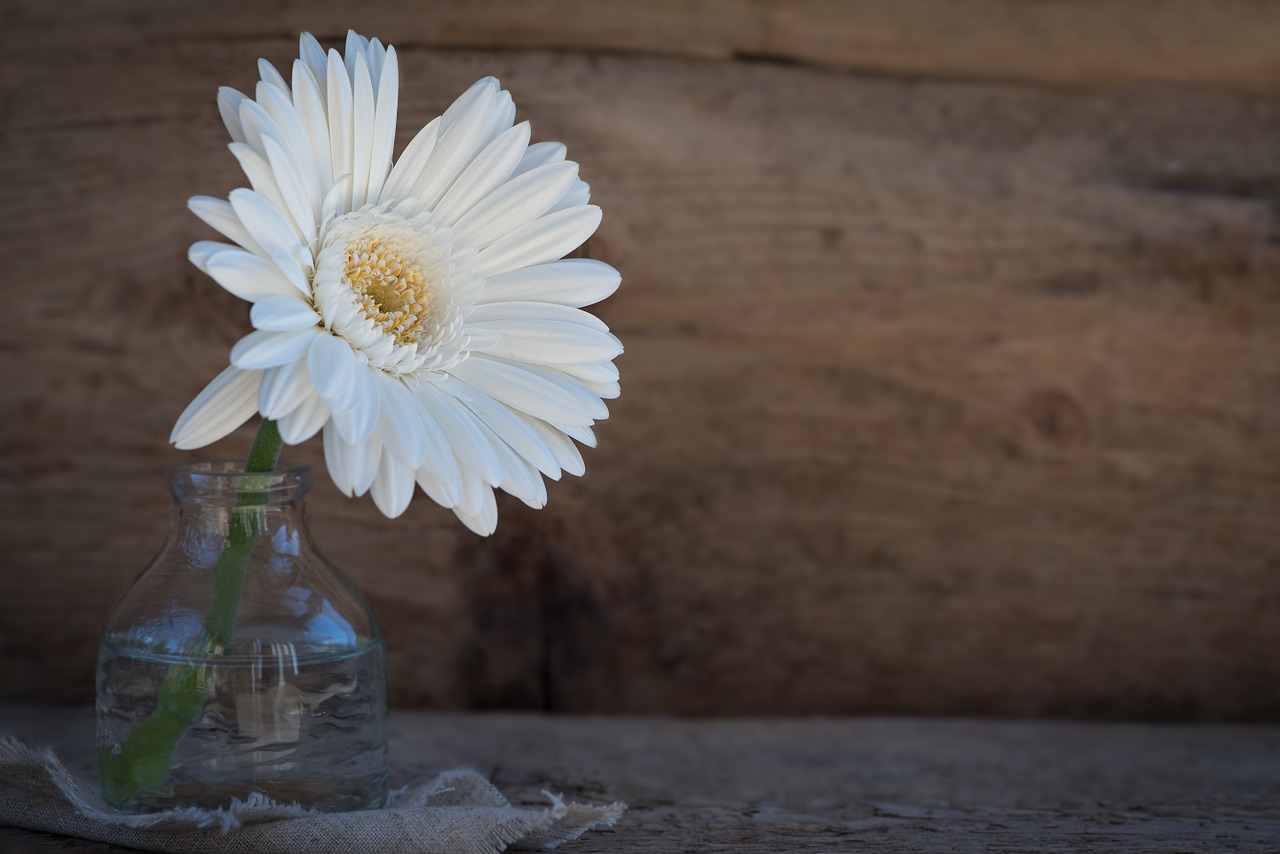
[[421, 314]]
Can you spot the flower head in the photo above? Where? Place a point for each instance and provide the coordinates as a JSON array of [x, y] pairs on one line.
[[422, 314]]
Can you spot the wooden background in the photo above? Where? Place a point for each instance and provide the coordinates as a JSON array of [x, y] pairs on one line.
[[952, 380]]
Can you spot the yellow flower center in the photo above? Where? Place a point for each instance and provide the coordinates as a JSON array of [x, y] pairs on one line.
[[391, 290]]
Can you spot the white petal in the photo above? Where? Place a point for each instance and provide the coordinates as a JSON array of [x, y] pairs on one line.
[[312, 54], [404, 175], [365, 457], [583, 435], [354, 50], [606, 391], [567, 454], [527, 485], [270, 76], [491, 168], [249, 277], [604, 372], [226, 403], [336, 200], [264, 349], [229, 107], [516, 475], [471, 501], [478, 510], [304, 421], [520, 478], [503, 116], [515, 204], [265, 222], [257, 124], [573, 282], [526, 390], [262, 179], [551, 342], [439, 461], [338, 84], [293, 273], [442, 479], [464, 132], [547, 238], [444, 492], [583, 391], [392, 487], [308, 102], [219, 215], [362, 107], [357, 423], [296, 141], [337, 460], [202, 250], [540, 154], [284, 388], [352, 467], [514, 312], [282, 314], [459, 427], [377, 56], [292, 188], [400, 425], [386, 79], [484, 524], [511, 432], [474, 104], [332, 367], [576, 196]]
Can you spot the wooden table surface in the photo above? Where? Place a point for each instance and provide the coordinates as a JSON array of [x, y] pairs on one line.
[[862, 784]]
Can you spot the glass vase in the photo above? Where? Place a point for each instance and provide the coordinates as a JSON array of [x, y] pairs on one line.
[[240, 660]]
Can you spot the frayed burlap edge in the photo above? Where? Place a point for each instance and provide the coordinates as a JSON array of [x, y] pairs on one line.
[[458, 812]]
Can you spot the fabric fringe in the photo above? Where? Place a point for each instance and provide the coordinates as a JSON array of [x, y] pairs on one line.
[[458, 812]]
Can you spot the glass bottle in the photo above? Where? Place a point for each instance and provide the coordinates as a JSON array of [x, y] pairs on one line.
[[241, 660]]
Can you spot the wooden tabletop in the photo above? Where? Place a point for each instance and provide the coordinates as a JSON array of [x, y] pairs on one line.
[[861, 784]]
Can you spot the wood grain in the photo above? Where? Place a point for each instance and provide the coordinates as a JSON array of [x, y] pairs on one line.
[[830, 784], [1072, 43], [954, 391]]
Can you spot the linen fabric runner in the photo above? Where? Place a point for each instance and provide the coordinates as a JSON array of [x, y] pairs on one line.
[[458, 812]]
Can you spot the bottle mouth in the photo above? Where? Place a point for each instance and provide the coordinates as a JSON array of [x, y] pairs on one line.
[[220, 480]]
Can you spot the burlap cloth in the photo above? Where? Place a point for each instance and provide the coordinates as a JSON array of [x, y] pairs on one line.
[[458, 812]]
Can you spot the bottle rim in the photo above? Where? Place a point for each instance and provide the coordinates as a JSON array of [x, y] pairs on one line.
[[214, 479]]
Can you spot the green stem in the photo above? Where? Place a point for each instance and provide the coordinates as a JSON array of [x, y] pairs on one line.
[[141, 763], [228, 572], [265, 452]]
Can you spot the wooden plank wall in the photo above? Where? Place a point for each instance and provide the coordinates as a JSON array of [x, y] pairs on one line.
[[952, 380]]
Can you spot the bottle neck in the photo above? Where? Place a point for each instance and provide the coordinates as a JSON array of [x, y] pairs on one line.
[[211, 500], [227, 484]]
